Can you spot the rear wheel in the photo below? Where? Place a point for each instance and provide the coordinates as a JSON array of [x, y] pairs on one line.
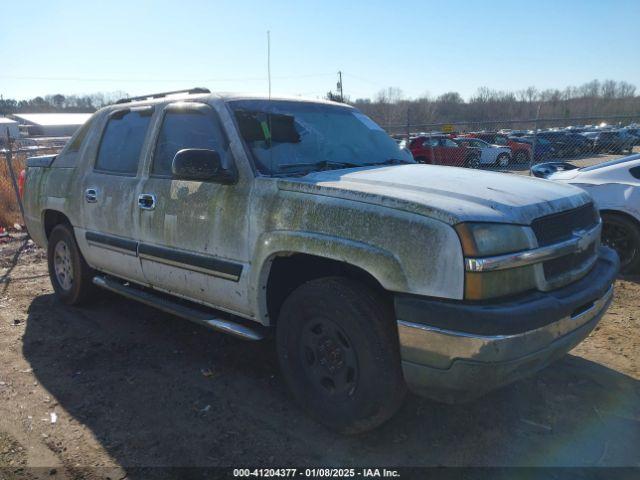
[[339, 354], [623, 235], [70, 275], [521, 157]]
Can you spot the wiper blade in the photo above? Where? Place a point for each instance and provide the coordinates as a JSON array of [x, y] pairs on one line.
[[324, 164], [390, 161]]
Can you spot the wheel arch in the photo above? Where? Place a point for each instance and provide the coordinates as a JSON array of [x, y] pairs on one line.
[[622, 213], [285, 266], [51, 218]]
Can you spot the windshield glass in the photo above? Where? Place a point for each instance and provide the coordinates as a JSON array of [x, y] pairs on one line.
[[291, 137]]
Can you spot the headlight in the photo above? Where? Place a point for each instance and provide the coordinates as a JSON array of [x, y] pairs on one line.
[[489, 239]]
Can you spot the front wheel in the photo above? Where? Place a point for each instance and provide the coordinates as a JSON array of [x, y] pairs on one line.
[[339, 354], [503, 160], [623, 235], [473, 162], [69, 273]]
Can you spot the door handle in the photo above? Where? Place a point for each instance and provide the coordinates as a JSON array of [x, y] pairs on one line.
[[91, 195], [147, 201]]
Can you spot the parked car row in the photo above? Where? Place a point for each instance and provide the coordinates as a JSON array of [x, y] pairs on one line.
[[471, 150], [577, 141]]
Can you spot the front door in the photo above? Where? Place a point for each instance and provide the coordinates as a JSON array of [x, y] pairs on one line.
[[193, 234]]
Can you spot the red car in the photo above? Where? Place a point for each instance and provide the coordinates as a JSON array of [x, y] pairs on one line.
[[521, 151], [442, 150]]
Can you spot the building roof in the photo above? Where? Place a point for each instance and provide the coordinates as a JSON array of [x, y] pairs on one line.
[[48, 119]]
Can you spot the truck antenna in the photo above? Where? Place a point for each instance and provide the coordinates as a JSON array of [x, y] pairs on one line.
[[269, 61]]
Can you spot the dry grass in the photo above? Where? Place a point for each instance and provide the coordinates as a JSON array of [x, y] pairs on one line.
[[9, 210]]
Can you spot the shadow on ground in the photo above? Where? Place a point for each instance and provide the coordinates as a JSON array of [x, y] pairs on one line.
[[156, 390]]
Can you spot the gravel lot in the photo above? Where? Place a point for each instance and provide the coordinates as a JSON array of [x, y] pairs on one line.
[[130, 386]]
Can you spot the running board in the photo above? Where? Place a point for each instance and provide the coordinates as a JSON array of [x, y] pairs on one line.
[[167, 305]]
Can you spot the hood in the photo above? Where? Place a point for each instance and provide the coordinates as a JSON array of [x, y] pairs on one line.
[[449, 194]]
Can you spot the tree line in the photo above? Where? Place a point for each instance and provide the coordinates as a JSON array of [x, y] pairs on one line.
[[391, 109], [60, 103]]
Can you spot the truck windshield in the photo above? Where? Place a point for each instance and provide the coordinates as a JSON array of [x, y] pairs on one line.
[[295, 138]]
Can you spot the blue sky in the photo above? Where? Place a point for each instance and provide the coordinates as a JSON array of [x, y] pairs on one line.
[[79, 47]]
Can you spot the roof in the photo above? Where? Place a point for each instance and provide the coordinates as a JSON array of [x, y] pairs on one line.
[[225, 96], [48, 119], [7, 120]]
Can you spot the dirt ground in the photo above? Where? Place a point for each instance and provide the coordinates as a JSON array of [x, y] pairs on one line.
[[117, 384]]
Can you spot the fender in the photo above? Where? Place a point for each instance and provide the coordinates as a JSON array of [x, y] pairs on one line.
[[380, 264]]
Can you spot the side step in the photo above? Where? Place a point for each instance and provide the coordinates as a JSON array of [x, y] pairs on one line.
[[175, 308]]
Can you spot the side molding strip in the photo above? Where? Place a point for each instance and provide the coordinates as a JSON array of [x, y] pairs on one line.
[[113, 242], [191, 261]]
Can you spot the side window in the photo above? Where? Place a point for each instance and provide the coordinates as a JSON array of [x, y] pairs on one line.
[[122, 142], [68, 157], [186, 129], [78, 138], [446, 142]]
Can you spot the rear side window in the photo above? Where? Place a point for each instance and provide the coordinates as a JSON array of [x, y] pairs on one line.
[[186, 129], [76, 141], [122, 142]]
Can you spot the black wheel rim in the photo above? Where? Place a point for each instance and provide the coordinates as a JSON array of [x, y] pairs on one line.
[[329, 359], [619, 238]]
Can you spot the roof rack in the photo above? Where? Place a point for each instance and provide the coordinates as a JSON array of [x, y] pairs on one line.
[[164, 94]]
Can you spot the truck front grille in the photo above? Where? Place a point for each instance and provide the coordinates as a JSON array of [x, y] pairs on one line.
[[557, 227], [559, 266]]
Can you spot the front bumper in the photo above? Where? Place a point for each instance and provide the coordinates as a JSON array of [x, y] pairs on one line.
[[455, 351]]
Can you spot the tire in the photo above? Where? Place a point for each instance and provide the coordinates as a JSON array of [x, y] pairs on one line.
[[623, 235], [70, 275], [473, 162], [521, 157], [503, 160], [339, 354]]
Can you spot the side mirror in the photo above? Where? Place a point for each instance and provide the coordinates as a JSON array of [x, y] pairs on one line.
[[200, 164]]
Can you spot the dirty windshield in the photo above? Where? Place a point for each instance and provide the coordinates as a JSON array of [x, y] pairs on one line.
[[295, 138]]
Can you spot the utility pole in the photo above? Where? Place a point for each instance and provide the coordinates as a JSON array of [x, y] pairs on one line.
[[340, 86]]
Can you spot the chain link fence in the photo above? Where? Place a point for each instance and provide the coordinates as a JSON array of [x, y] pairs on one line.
[[517, 145], [13, 159]]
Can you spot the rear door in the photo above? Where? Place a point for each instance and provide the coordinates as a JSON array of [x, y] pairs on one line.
[[194, 234], [108, 231]]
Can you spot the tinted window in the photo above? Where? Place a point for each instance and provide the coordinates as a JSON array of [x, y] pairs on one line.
[[78, 138], [190, 129], [122, 142]]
